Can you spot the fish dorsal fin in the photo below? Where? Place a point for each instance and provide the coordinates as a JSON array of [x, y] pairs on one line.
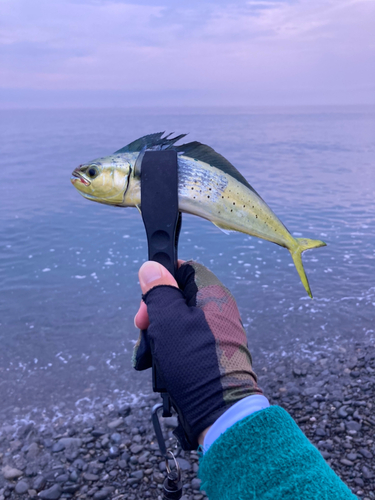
[[151, 141], [202, 152]]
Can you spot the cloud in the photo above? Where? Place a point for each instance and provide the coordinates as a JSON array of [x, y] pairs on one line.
[[228, 48]]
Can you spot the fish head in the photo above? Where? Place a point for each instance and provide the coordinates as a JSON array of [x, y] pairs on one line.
[[104, 180]]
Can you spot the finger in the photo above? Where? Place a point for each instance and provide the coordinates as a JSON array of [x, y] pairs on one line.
[[152, 274], [141, 320]]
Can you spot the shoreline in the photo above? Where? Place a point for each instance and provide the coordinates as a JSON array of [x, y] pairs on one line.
[[108, 450]]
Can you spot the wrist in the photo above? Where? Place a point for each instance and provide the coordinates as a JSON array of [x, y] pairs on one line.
[[202, 435], [234, 414]]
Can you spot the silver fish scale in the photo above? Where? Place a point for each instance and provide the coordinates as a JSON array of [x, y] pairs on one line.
[[191, 174]]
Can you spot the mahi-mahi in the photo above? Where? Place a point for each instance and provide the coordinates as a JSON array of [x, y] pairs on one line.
[[208, 186]]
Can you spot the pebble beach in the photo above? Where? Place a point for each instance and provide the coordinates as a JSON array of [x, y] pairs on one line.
[[112, 452]]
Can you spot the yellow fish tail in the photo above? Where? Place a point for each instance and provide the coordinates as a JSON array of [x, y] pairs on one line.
[[303, 244]]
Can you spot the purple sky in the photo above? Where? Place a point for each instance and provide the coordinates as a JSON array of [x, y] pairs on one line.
[[101, 52]]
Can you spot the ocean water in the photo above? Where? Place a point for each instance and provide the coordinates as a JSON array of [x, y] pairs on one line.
[[68, 267]]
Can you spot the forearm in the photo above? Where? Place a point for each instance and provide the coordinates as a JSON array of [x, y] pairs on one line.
[[266, 457]]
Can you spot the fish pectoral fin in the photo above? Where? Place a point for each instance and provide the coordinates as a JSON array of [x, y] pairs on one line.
[[138, 207], [225, 229]]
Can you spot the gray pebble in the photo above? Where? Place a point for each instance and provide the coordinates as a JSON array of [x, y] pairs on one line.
[[346, 462], [144, 457], [58, 447], [33, 451], [320, 432], [98, 433], [341, 412], [39, 483], [52, 493], [116, 423], [113, 452], [103, 493], [70, 441], [353, 426], [365, 453], [11, 472], [171, 422], [21, 487], [196, 483], [136, 448], [367, 474], [138, 474], [184, 464], [90, 477], [132, 480], [116, 437]]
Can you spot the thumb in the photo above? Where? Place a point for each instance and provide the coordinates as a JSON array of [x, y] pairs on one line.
[[151, 274]]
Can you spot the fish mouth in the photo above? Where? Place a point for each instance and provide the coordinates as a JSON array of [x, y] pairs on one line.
[[78, 177]]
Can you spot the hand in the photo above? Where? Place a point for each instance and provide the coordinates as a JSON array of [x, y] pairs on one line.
[[195, 336]]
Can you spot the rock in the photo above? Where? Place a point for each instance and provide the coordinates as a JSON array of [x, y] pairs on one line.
[[132, 480], [353, 426], [73, 476], [320, 432], [116, 423], [124, 410], [70, 488], [39, 483], [57, 447], [137, 474], [62, 478], [116, 437], [144, 457], [352, 456], [10, 472], [365, 453], [196, 483], [136, 448], [80, 464], [103, 493], [171, 422], [32, 451], [184, 464], [98, 433], [113, 452], [341, 412], [346, 462], [90, 477], [70, 442], [53, 493], [21, 487], [367, 474], [158, 477]]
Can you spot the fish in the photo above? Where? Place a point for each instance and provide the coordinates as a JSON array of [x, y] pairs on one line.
[[209, 186]]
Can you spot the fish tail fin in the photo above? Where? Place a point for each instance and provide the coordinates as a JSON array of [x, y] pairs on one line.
[[303, 244]]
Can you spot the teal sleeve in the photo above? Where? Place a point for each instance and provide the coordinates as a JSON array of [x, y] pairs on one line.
[[266, 456]]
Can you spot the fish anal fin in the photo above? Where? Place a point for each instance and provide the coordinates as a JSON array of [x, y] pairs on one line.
[[225, 229]]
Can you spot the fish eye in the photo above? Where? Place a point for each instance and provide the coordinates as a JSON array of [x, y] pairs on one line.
[[92, 171]]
